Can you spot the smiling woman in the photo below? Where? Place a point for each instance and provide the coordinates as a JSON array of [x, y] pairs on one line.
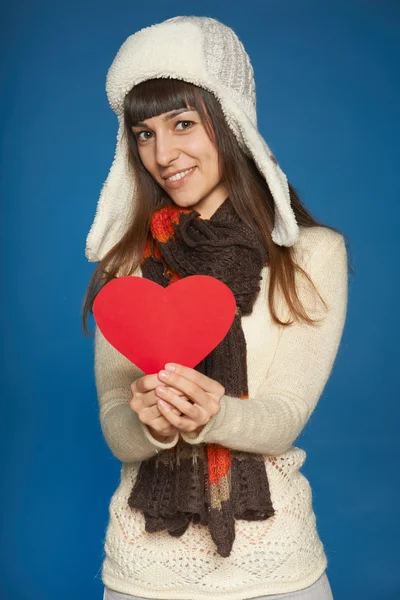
[[211, 503], [185, 151]]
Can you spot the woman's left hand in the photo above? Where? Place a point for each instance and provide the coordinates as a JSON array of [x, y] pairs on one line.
[[203, 397]]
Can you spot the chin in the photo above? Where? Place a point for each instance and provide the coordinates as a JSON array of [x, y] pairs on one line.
[[189, 203]]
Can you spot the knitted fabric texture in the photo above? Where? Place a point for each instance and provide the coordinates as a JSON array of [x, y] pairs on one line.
[[287, 369], [206, 483]]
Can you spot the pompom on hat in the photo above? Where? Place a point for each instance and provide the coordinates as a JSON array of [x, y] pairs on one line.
[[209, 54]]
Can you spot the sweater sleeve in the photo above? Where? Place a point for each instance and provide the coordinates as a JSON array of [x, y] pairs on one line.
[[127, 437], [270, 422]]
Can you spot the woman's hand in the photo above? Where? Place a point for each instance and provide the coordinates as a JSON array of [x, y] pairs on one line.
[[200, 400], [144, 403]]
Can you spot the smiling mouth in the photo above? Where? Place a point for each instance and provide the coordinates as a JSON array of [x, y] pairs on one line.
[[179, 175], [180, 178]]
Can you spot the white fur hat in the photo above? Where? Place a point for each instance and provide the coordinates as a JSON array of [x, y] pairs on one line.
[[207, 53]]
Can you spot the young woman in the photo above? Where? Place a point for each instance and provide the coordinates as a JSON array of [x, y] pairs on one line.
[[211, 502]]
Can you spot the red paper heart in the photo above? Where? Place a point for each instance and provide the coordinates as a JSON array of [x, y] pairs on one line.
[[152, 325]]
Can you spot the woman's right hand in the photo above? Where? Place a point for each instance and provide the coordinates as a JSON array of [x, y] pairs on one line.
[[144, 403]]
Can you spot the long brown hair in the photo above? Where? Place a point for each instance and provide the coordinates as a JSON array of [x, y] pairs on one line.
[[248, 191]]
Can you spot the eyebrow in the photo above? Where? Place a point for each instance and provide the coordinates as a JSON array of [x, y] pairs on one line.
[[167, 117]]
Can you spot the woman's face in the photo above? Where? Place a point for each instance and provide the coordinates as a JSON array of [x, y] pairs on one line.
[[174, 143]]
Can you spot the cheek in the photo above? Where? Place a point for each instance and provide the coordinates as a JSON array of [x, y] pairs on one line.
[[147, 160], [212, 162], [202, 149]]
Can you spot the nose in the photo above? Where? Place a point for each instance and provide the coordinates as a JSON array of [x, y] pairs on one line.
[[166, 149]]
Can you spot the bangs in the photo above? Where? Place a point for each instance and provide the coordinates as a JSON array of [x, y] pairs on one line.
[[156, 96]]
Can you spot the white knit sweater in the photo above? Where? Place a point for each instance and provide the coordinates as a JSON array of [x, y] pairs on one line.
[[288, 368]]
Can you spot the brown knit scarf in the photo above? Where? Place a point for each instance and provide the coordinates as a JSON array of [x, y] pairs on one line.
[[206, 483]]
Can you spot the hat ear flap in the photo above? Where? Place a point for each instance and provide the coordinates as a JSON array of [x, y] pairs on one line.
[[286, 230], [114, 207]]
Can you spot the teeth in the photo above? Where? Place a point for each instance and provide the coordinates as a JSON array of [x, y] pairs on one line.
[[179, 175]]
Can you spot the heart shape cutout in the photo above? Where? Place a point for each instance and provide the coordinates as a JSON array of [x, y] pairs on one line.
[[152, 325]]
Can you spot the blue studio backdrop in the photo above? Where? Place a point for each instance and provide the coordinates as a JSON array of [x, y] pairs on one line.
[[328, 99]]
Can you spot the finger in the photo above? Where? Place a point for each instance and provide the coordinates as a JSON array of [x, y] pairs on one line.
[[177, 392], [153, 413], [180, 394], [151, 403], [181, 423], [146, 383], [148, 398], [205, 383], [181, 403], [189, 388]]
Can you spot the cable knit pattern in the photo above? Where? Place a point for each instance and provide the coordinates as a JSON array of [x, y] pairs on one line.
[[287, 371]]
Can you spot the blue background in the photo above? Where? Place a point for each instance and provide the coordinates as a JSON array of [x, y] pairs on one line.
[[328, 100]]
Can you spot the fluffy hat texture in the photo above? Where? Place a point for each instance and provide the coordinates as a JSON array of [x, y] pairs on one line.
[[207, 53]]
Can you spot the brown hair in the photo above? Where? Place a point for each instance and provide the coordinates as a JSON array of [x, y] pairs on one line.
[[248, 191]]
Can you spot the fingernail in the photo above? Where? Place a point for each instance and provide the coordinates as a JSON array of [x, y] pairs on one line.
[[164, 374], [170, 366], [162, 403], [162, 390]]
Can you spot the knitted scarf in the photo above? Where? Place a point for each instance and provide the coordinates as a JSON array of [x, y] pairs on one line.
[[206, 483]]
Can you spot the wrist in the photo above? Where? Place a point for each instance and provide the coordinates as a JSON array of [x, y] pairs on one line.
[[199, 429], [160, 438]]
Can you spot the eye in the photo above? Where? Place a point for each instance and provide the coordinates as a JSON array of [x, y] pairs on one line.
[[143, 133], [191, 123], [139, 133]]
